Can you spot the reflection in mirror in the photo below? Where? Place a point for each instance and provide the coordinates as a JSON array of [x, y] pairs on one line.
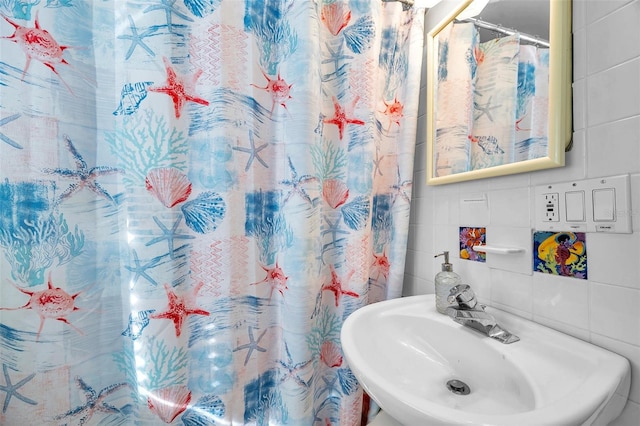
[[499, 99]]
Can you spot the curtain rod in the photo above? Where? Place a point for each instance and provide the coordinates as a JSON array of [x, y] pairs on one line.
[[406, 4], [498, 28]]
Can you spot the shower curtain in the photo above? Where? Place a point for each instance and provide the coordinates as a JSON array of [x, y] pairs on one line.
[[194, 195], [492, 101]]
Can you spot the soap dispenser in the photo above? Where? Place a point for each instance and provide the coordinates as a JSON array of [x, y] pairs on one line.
[[444, 280]]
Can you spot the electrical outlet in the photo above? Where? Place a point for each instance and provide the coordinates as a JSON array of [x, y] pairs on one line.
[[551, 207]]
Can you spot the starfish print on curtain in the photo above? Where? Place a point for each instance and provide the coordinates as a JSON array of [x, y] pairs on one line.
[[169, 10], [253, 152], [83, 176], [340, 118], [95, 401], [291, 370], [179, 89], [336, 286], [137, 39], [140, 270], [5, 138], [11, 390], [170, 235], [180, 307], [252, 345], [296, 182]]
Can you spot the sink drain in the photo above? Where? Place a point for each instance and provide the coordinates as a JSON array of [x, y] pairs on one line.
[[458, 387]]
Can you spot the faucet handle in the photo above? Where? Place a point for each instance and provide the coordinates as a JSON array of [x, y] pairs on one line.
[[463, 295]]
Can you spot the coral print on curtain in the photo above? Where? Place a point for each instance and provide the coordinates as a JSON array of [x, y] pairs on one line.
[[193, 196]]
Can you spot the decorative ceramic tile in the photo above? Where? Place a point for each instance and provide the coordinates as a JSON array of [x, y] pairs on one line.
[[560, 253], [470, 237]]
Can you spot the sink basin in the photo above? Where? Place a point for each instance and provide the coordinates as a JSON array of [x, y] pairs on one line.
[[411, 359]]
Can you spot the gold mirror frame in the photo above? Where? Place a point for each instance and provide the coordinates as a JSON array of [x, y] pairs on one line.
[[560, 98]]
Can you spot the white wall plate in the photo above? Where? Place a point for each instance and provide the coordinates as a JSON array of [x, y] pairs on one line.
[[590, 205]]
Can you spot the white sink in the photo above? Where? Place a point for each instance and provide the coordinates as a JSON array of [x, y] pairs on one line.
[[404, 352]]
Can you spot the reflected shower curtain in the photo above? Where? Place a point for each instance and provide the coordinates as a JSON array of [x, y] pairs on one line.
[[193, 196], [494, 103], [504, 86], [457, 67], [532, 112]]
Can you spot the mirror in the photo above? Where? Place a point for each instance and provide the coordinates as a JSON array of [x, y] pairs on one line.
[[475, 127]]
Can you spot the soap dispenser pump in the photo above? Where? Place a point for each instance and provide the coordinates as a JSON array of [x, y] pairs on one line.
[[444, 281]]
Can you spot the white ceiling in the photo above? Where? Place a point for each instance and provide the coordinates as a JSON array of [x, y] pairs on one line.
[[527, 16]]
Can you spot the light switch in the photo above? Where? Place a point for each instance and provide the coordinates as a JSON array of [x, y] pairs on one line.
[[574, 205], [604, 205]]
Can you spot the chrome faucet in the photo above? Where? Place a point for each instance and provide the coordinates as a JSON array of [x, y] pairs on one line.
[[472, 314]]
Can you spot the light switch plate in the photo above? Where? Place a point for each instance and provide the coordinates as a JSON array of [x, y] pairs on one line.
[[589, 205], [574, 206]]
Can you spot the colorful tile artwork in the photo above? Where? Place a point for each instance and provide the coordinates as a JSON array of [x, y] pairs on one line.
[[470, 237], [560, 253]]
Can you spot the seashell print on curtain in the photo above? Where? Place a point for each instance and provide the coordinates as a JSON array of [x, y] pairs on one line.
[[194, 195]]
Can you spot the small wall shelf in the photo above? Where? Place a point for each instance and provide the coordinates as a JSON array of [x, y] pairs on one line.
[[498, 250]]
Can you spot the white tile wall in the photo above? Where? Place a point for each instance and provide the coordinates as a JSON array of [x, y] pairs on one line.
[[614, 312], [561, 299], [617, 154], [511, 207], [600, 34], [605, 309], [614, 93]]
